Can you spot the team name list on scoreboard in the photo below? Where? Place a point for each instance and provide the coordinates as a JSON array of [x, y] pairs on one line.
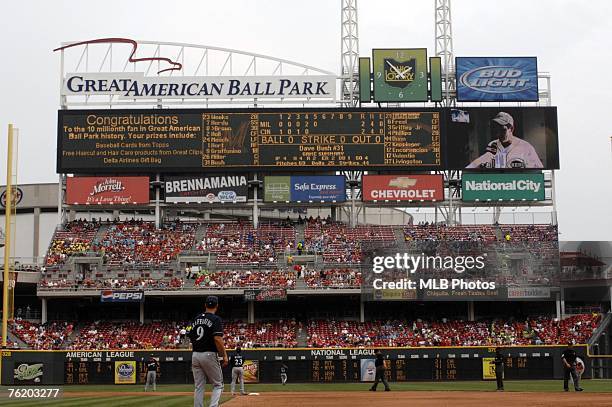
[[204, 139]]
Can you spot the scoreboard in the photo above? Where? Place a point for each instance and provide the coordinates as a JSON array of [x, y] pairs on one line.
[[195, 140]]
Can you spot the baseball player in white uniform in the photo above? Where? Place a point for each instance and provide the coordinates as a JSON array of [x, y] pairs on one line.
[[507, 150]]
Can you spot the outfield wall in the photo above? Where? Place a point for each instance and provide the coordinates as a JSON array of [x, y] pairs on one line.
[[305, 365]]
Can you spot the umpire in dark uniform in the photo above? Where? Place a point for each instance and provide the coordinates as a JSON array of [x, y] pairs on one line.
[[206, 337], [499, 369], [380, 372], [569, 368]]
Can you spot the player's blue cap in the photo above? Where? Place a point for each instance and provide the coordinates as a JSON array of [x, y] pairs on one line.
[[212, 301]]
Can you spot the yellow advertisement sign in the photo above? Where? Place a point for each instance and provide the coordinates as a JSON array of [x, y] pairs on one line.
[[488, 368], [125, 372], [251, 371]]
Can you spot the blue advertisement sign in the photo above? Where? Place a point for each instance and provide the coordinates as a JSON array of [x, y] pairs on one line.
[[318, 188], [497, 79]]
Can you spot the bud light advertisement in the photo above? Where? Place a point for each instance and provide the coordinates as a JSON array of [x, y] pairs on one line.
[[497, 79]]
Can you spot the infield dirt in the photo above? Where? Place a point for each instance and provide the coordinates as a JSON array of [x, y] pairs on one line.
[[422, 399]]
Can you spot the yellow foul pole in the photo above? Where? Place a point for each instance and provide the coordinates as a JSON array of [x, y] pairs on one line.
[[7, 234]]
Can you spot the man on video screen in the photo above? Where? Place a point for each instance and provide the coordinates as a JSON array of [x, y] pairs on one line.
[[506, 150]]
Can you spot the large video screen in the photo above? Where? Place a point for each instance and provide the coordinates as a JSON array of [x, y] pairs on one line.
[[198, 139], [502, 138]]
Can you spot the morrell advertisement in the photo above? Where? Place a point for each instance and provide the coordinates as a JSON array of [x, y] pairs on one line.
[[107, 190], [403, 188]]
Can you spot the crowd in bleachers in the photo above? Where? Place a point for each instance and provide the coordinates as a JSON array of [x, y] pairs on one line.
[[52, 335], [333, 278], [339, 243], [538, 331], [140, 242], [270, 334], [131, 335], [320, 333], [74, 238], [247, 279], [241, 243]]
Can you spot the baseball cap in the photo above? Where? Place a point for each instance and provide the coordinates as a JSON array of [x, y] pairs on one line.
[[212, 301], [504, 119]]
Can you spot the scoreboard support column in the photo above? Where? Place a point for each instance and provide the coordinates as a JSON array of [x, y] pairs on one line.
[[255, 184], [157, 208]]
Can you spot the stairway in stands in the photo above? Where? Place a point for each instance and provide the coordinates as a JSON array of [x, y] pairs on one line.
[[301, 336]]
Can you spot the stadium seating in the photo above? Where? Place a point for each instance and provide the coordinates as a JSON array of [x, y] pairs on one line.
[[130, 335], [333, 278], [139, 242], [52, 335], [74, 238], [320, 333], [341, 244], [538, 331], [240, 243], [261, 334]]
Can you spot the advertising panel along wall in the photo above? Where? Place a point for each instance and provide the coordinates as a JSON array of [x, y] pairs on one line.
[[107, 190], [502, 137], [325, 188], [403, 188], [212, 189], [495, 79], [506, 187]]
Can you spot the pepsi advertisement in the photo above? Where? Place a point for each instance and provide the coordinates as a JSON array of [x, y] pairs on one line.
[[497, 79]]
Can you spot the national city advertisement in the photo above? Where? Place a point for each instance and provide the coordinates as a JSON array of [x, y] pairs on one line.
[[502, 187]]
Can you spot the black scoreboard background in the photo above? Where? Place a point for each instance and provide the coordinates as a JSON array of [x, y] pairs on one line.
[[155, 140], [322, 370]]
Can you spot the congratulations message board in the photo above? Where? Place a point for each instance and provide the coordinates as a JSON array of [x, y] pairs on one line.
[[94, 141]]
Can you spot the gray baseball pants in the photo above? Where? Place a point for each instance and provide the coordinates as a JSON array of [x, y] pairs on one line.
[[151, 379], [205, 366], [238, 374]]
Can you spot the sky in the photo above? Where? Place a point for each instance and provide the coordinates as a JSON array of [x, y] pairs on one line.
[[568, 37]]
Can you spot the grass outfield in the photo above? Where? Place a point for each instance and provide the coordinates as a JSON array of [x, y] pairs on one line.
[[113, 395]]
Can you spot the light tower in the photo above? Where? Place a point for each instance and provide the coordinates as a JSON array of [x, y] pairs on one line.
[[444, 50], [349, 54]]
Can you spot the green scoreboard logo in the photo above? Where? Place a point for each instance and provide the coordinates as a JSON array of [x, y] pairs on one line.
[[502, 187], [400, 75], [277, 189]]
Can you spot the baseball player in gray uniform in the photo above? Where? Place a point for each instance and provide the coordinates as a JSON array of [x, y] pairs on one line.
[[207, 339], [237, 363], [152, 366], [506, 150]]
